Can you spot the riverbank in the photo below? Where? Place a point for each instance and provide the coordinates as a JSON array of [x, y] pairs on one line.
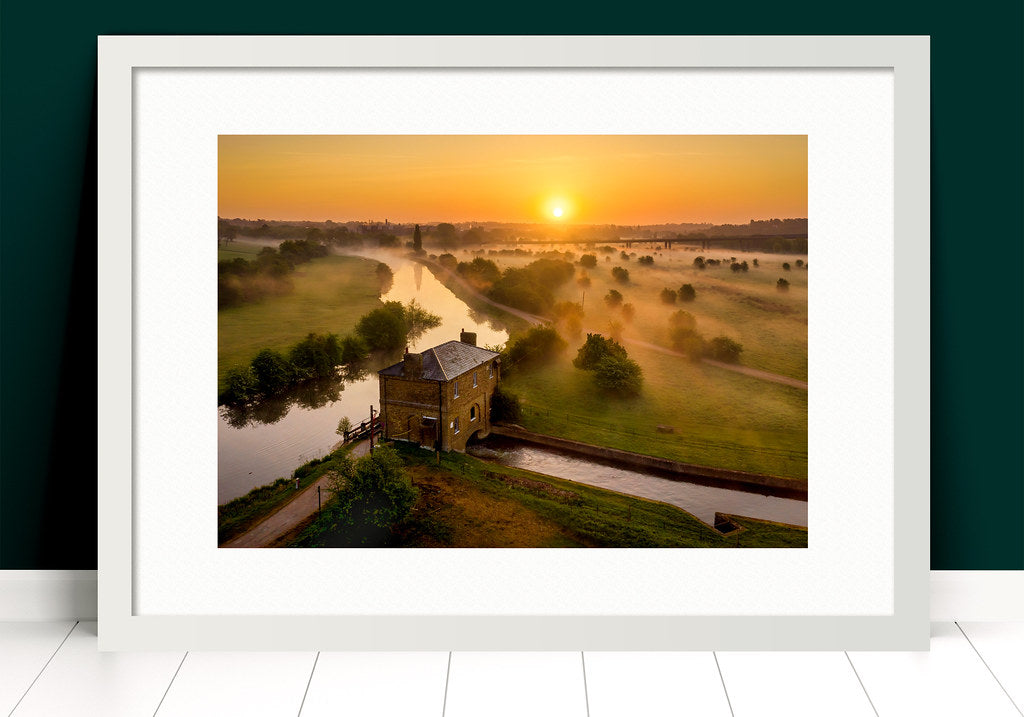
[[771, 485], [466, 502]]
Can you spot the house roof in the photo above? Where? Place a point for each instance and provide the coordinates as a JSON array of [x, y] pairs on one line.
[[445, 362]]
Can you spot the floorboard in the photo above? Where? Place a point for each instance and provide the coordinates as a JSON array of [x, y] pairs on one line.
[[516, 684], [950, 679], [792, 684], [377, 684], [623, 684], [25, 648], [82, 681], [1001, 646], [254, 684]]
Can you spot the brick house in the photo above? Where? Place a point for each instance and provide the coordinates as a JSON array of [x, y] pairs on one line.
[[442, 395]]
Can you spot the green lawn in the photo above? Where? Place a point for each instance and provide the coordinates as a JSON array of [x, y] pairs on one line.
[[330, 295], [720, 418], [234, 250]]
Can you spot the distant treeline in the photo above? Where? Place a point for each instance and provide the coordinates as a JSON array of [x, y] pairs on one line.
[[318, 356], [241, 281]]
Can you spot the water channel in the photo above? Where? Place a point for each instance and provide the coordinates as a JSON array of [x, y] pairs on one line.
[[703, 501]]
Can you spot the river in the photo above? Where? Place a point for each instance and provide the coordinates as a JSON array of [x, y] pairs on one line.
[[258, 446]]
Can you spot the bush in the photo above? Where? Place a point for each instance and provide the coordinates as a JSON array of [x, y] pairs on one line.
[[620, 275], [647, 260], [782, 285], [755, 263], [624, 256], [687, 292], [785, 265], [596, 348], [799, 263], [539, 344], [668, 296], [725, 349], [619, 375], [588, 260], [613, 298], [700, 263], [735, 267], [505, 406], [371, 493]]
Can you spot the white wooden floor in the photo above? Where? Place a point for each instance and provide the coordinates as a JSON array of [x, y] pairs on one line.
[[54, 670]]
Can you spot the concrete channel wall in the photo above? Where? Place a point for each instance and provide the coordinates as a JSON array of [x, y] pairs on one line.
[[787, 487]]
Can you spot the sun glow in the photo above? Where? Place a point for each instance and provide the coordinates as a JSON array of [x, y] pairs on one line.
[[557, 211]]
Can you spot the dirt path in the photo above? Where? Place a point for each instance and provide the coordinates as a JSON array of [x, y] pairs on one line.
[[278, 524], [534, 319]]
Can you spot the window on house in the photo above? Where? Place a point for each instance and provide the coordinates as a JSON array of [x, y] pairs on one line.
[[456, 389], [456, 425], [472, 413], [490, 370], [474, 379]]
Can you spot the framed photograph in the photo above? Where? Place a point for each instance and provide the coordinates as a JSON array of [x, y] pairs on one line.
[[513, 343]]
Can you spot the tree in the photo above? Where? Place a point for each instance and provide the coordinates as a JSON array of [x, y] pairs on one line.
[[383, 328], [316, 356], [344, 426], [799, 263], [417, 240], [648, 260], [668, 296], [505, 406], [374, 491], [613, 298], [725, 349], [682, 319], [446, 234], [540, 343], [755, 263], [448, 261], [620, 274], [628, 312], [588, 260], [595, 348], [620, 375], [353, 350], [782, 285], [624, 256], [385, 277], [700, 263], [688, 341], [785, 265], [735, 267], [272, 372], [239, 386], [687, 292]]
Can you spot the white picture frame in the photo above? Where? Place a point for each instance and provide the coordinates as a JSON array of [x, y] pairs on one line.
[[903, 391]]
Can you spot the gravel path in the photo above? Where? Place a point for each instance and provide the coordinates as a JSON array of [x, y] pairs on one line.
[[280, 523]]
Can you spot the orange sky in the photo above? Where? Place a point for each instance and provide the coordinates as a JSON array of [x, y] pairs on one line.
[[593, 179]]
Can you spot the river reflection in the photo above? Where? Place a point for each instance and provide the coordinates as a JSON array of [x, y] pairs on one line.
[[268, 440]]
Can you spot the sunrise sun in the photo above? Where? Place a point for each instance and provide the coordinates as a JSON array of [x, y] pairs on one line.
[[557, 211]]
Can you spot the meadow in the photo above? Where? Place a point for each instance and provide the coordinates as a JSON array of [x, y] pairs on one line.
[[330, 294], [717, 417]]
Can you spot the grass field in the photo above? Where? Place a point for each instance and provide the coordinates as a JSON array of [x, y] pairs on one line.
[[720, 418], [466, 502], [330, 295]]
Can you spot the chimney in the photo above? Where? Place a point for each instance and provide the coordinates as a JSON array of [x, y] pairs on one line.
[[413, 366], [467, 337]]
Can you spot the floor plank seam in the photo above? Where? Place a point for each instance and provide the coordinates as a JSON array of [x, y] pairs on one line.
[[308, 683], [586, 692], [447, 676], [43, 669], [173, 677], [976, 652], [724, 688], [861, 682]]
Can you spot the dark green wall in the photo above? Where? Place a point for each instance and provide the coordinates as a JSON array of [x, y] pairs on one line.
[[47, 264]]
